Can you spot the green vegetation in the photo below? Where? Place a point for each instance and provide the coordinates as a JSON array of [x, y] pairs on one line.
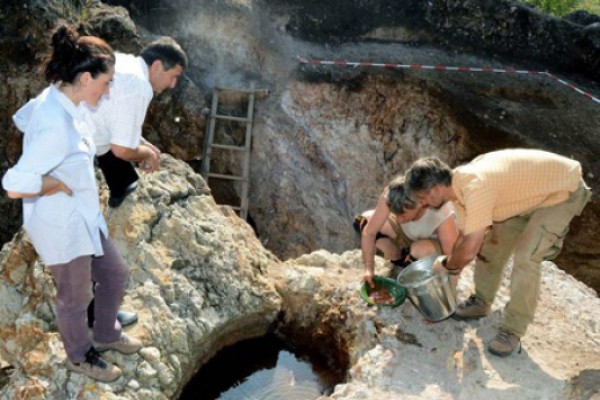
[[563, 7], [79, 10]]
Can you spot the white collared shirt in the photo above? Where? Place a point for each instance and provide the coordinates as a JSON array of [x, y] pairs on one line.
[[119, 117], [57, 142]]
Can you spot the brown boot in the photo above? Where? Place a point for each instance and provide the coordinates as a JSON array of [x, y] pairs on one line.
[[504, 343], [473, 308]]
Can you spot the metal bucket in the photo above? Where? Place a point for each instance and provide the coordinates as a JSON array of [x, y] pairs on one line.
[[431, 293]]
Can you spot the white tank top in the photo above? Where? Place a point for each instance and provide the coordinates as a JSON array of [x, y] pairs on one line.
[[426, 226]]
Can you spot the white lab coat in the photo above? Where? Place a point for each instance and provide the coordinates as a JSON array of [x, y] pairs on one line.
[[57, 142]]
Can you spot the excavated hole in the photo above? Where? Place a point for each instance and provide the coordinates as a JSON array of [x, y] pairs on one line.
[[293, 361], [263, 368]]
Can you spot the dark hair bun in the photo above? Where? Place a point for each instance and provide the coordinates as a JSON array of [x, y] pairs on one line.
[[73, 54]]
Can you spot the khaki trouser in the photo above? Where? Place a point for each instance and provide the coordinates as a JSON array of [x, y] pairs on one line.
[[533, 238]]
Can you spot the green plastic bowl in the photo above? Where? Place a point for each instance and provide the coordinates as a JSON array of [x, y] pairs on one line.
[[397, 291]]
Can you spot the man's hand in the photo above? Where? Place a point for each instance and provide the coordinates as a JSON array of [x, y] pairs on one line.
[[153, 148], [146, 155], [440, 266], [151, 162]]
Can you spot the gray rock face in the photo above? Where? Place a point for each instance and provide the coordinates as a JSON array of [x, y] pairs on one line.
[[325, 142], [329, 137]]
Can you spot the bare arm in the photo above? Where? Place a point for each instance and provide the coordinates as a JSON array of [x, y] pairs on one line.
[[50, 186], [465, 250], [152, 147], [143, 153], [369, 236], [447, 234]]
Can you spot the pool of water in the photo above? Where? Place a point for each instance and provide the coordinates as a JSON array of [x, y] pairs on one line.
[[261, 369]]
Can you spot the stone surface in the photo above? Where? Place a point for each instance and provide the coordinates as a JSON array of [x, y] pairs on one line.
[[201, 280], [194, 270], [397, 354]]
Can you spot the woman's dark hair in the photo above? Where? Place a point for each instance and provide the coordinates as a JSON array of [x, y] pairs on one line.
[[397, 198], [166, 50], [73, 54]]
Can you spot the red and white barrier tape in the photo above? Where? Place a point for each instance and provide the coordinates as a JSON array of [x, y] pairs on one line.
[[449, 68]]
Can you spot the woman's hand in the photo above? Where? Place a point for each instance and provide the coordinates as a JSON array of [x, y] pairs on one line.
[[368, 277], [52, 186]]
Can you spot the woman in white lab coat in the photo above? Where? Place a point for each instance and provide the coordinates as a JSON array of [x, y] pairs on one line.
[[55, 179]]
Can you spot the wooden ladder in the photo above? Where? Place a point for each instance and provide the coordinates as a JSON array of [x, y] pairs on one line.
[[244, 149]]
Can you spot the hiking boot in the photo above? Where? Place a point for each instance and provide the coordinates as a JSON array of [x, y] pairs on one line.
[[504, 343], [473, 308], [125, 345], [95, 367], [126, 318]]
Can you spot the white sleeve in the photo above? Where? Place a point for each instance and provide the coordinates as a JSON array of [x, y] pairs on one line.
[[42, 152], [127, 121]]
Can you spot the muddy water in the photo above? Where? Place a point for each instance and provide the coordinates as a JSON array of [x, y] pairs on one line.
[[261, 369]]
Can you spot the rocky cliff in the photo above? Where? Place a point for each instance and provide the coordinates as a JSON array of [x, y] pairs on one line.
[[328, 138], [200, 280]]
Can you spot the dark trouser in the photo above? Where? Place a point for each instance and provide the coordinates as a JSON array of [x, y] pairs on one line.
[[74, 292], [118, 173]]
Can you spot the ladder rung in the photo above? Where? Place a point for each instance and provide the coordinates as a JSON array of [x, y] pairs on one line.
[[231, 118], [235, 208], [260, 92], [229, 177], [228, 147]]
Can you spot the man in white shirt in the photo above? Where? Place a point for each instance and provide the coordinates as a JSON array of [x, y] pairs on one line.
[[119, 118]]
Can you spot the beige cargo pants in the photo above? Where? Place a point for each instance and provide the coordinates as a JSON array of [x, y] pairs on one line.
[[532, 238]]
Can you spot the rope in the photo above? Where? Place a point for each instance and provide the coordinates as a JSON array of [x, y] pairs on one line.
[[355, 64]]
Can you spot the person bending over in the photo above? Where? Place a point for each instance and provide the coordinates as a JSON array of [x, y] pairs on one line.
[[510, 202], [397, 220]]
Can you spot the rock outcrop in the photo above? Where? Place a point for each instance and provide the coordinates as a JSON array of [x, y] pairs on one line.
[[193, 269], [201, 280], [328, 138]]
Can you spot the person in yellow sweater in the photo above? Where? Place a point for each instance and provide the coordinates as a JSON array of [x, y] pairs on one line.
[[510, 202]]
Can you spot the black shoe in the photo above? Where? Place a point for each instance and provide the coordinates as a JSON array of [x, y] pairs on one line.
[[405, 258], [126, 318], [115, 202]]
